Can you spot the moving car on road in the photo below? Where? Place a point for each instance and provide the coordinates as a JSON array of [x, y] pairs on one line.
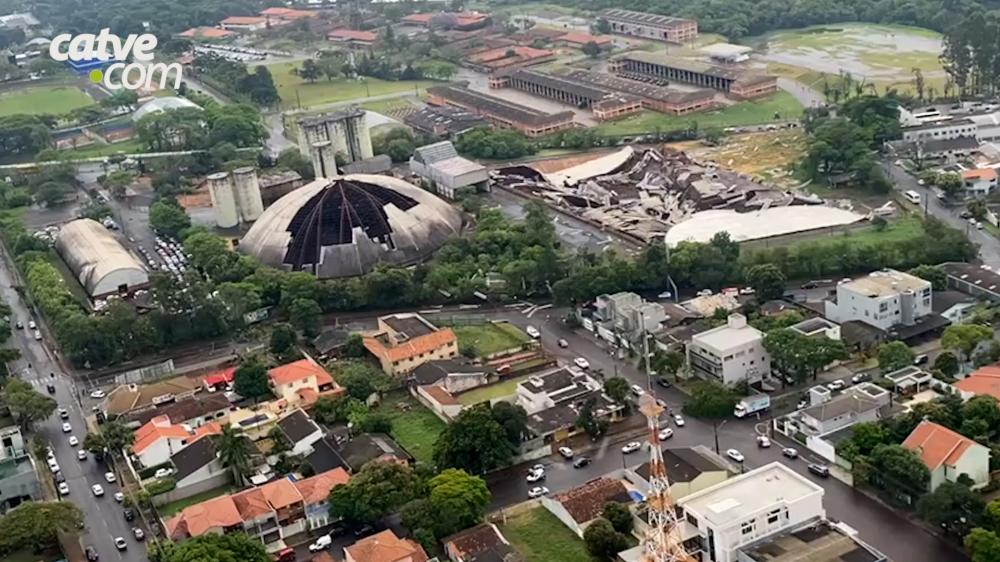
[[66, 427], [73, 441], [790, 452], [562, 343], [322, 543], [679, 420], [97, 394], [763, 442], [637, 390], [63, 414], [819, 469], [81, 455], [535, 474], [631, 447], [109, 476], [119, 497], [581, 363], [735, 455], [666, 433], [120, 543], [138, 534], [566, 452], [91, 553], [581, 462], [837, 385], [538, 491], [97, 489], [533, 332]]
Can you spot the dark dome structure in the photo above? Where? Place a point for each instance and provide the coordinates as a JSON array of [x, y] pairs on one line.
[[344, 226]]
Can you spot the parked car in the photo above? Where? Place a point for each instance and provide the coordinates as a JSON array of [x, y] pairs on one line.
[[562, 343], [119, 497], [51, 388], [91, 553], [735, 455], [363, 531], [802, 404], [637, 390], [819, 469], [566, 452], [535, 474], [679, 420], [538, 491], [581, 462], [66, 427], [32, 325], [109, 476], [836, 385], [763, 442], [97, 489], [163, 473], [63, 414], [73, 441], [582, 363], [63, 489], [631, 447], [322, 543], [129, 514], [138, 533], [921, 359], [662, 381], [790, 452], [97, 394], [665, 434], [20, 325], [37, 335], [859, 378], [81, 455]]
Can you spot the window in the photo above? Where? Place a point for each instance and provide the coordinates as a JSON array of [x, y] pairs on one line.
[[747, 527]]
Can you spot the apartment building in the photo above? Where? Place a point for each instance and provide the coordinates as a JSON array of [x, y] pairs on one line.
[[730, 353], [403, 342], [882, 299], [18, 479]]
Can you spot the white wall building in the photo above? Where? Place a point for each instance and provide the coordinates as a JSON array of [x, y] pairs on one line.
[[941, 130], [730, 353], [883, 299], [541, 392], [749, 507], [861, 403]]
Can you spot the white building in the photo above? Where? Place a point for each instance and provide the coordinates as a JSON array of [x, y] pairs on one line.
[[540, 392], [628, 313], [979, 182], [747, 508], [861, 403], [446, 173], [940, 130], [949, 455], [883, 299], [731, 353]]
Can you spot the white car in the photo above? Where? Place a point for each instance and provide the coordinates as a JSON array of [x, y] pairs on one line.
[[38, 335], [73, 441], [836, 385], [97, 489], [637, 390], [533, 332], [763, 442], [735, 455], [538, 491], [66, 427], [667, 433], [32, 325], [63, 414], [566, 452], [119, 497], [582, 363], [322, 543], [97, 394], [120, 543], [109, 476], [631, 447], [63, 489], [534, 475], [679, 420], [163, 473], [53, 465], [81, 455]]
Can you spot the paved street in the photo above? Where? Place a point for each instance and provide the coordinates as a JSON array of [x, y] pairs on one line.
[[102, 516], [989, 246], [877, 524]]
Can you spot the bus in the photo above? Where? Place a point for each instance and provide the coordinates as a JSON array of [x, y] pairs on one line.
[[912, 197]]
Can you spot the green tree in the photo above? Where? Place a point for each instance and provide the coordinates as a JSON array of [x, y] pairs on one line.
[[617, 388], [591, 49], [94, 443], [234, 452], [474, 442], [952, 507], [459, 499], [603, 542], [378, 489], [964, 338], [376, 423], [864, 438], [983, 545], [282, 339], [710, 400], [991, 515], [602, 26], [26, 405], [800, 356], [292, 159], [767, 280], [250, 379], [35, 526], [230, 547], [280, 443], [898, 469], [893, 356], [306, 315], [590, 423], [308, 71], [512, 418], [947, 363], [167, 217], [116, 436], [932, 273], [619, 516]]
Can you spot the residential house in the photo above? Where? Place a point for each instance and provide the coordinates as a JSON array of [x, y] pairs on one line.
[[302, 382], [861, 403], [954, 306], [627, 315], [730, 354], [18, 478], [482, 543], [578, 507], [219, 379], [910, 379], [403, 342], [301, 432], [553, 401], [817, 327], [367, 447], [197, 469], [135, 397], [258, 421], [979, 182], [159, 439], [196, 410], [269, 512], [718, 521], [384, 547], [813, 541], [882, 299], [436, 383], [689, 471], [948, 455], [983, 381]]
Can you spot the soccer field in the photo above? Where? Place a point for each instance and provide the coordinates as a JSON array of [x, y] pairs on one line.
[[54, 100]]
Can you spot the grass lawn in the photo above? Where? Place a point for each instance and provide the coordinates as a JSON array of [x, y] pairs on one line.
[[742, 113], [95, 150], [903, 229], [540, 537], [484, 393], [43, 99], [486, 339], [416, 428], [173, 507], [294, 90]]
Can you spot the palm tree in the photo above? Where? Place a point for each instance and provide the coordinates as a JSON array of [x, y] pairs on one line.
[[234, 452], [117, 435]]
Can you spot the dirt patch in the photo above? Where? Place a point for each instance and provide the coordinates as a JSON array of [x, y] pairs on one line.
[[198, 199], [766, 156]]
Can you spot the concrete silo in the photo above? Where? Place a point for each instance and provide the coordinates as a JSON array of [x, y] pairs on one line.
[[347, 130], [223, 200], [247, 190]]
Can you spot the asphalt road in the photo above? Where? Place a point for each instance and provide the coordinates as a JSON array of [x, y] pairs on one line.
[[989, 246], [878, 525], [103, 517]]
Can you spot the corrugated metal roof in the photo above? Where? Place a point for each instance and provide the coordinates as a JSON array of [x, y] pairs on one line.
[[99, 261]]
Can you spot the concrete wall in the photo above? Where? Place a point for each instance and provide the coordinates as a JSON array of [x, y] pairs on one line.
[[176, 494]]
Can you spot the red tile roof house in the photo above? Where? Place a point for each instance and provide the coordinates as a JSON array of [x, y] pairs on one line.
[[156, 441], [301, 382], [270, 512], [384, 547], [480, 543], [948, 455], [353, 37], [578, 507]]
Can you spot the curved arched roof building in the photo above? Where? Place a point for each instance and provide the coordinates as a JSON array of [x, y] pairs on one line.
[[159, 105], [344, 226], [101, 264]]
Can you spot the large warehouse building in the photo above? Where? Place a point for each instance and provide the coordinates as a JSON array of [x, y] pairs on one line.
[[101, 264], [346, 225], [502, 113], [651, 26], [739, 82]]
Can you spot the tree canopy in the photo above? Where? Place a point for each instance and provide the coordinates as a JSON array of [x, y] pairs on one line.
[[376, 490], [893, 356], [474, 442], [230, 547]]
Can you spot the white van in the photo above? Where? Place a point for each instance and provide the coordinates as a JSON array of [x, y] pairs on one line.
[[912, 197]]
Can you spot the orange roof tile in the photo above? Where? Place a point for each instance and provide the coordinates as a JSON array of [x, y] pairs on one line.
[[243, 20], [154, 430], [937, 444], [207, 33], [440, 394], [579, 38], [280, 493], [984, 380], [386, 547], [980, 174], [298, 370], [418, 18], [251, 504], [411, 348], [317, 488], [287, 13], [352, 34], [197, 519]]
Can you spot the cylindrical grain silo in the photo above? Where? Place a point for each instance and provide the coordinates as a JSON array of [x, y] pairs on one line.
[[223, 200], [247, 189]]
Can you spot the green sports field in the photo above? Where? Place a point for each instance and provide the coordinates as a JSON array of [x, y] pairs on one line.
[[54, 100]]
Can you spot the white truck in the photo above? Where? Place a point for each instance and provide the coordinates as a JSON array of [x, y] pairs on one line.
[[752, 405]]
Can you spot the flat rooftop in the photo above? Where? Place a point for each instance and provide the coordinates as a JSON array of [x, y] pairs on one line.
[[813, 325], [699, 67], [498, 107], [887, 283], [821, 541], [741, 497], [726, 337], [755, 225], [412, 326], [644, 18]]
